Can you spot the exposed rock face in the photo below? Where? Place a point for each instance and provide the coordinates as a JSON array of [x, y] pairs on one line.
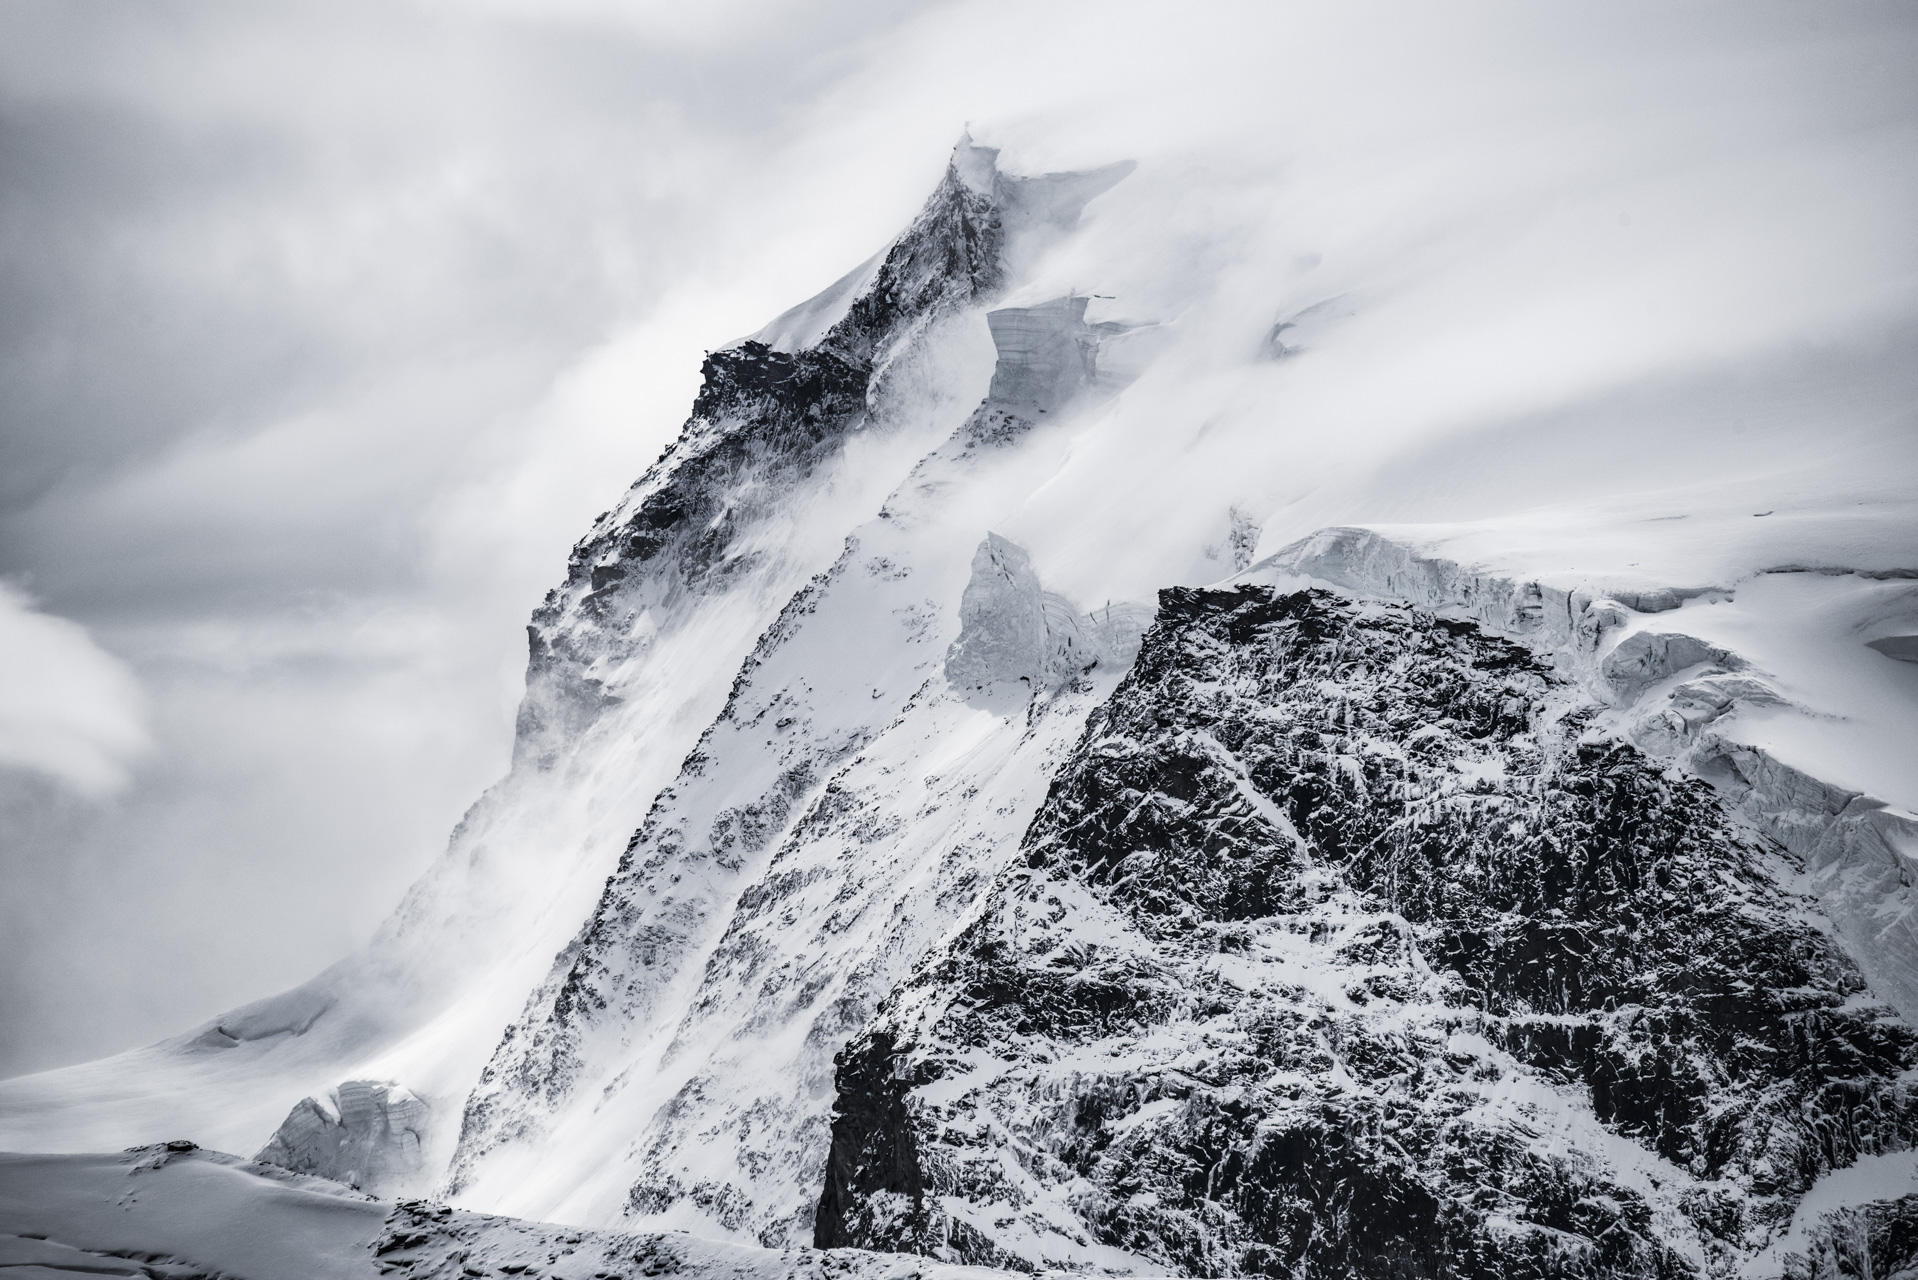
[[764, 421], [1338, 948], [1860, 856], [365, 1133], [768, 418]]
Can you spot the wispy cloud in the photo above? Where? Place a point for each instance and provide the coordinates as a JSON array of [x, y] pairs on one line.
[[68, 709], [326, 327]]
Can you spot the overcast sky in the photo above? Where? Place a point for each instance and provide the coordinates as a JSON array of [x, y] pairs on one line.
[[326, 328]]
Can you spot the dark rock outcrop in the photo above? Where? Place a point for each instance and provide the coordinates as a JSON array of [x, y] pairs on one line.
[[1342, 946], [763, 422]]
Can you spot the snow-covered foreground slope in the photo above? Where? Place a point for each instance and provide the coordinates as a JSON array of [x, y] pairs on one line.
[[1535, 898], [171, 1212]]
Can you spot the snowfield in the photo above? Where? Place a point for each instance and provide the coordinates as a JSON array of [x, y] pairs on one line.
[[174, 1212]]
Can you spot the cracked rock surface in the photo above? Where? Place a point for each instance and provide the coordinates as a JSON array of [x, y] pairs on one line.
[[1339, 948]]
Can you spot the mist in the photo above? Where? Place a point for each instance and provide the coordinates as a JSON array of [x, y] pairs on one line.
[[325, 330]]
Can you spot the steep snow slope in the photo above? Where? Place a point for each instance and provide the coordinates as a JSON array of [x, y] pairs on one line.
[[829, 827]]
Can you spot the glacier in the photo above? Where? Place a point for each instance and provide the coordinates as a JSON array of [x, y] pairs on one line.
[[1013, 784]]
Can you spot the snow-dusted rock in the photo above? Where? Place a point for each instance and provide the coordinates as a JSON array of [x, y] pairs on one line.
[[712, 984], [1679, 697], [1340, 947]]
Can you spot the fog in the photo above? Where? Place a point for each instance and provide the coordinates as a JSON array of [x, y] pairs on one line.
[[325, 329]]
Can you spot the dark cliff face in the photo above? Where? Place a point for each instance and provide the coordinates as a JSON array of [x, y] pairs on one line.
[[764, 421], [1342, 946], [763, 417]]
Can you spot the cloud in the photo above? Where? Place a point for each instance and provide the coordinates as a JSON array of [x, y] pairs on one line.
[[68, 708], [324, 331], [1515, 215], [325, 328]]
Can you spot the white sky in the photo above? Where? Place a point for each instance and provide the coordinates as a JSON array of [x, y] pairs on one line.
[[325, 328]]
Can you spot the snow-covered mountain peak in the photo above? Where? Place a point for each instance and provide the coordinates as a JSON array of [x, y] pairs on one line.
[[980, 230], [1042, 791]]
